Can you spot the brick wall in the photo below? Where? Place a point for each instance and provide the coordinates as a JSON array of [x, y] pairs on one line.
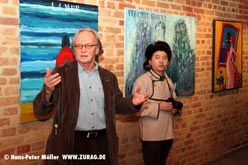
[[212, 123]]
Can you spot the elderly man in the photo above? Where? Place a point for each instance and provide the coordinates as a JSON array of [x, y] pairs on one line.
[[85, 98]]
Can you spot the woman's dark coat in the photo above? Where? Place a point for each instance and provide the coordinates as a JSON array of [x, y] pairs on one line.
[[65, 103]]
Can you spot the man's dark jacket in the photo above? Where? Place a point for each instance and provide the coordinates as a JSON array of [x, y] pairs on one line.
[[65, 104]]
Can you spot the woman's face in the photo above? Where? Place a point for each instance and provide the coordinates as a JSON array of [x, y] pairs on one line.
[[159, 62]]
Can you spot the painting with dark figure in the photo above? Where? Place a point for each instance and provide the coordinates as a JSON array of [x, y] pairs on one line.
[[143, 28], [227, 56]]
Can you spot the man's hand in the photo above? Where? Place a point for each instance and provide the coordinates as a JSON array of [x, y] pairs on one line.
[[51, 80], [139, 98]]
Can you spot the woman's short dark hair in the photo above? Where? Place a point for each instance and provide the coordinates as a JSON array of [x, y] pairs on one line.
[[152, 48], [65, 42]]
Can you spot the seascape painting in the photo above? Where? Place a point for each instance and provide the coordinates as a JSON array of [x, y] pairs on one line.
[[43, 23], [143, 28]]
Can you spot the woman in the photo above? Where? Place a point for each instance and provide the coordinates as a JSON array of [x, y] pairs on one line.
[[65, 53], [156, 115]]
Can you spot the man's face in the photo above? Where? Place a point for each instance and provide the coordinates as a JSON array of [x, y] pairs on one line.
[[85, 48]]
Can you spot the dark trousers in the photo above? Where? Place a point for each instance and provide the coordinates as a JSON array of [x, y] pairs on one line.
[[156, 152], [91, 150]]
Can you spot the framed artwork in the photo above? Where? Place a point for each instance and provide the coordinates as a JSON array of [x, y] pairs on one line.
[[43, 24], [227, 41], [146, 27]]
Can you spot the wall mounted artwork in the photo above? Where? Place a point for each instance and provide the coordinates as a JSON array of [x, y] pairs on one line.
[[227, 41], [143, 28], [43, 23]]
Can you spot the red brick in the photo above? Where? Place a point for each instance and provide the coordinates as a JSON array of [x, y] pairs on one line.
[[7, 151], [9, 21], [7, 132], [4, 122], [10, 111], [9, 71], [23, 149]]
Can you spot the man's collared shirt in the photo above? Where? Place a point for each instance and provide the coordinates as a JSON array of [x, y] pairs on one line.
[[91, 114]]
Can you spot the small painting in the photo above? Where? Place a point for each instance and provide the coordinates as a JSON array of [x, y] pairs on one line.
[[227, 38]]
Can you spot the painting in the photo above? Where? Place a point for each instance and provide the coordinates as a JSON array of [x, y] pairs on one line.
[[43, 23], [227, 41], [143, 28]]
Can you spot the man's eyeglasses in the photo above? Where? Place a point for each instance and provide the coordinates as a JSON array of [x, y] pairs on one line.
[[80, 46]]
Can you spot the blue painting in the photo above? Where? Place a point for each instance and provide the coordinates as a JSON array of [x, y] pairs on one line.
[[143, 28], [43, 23]]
